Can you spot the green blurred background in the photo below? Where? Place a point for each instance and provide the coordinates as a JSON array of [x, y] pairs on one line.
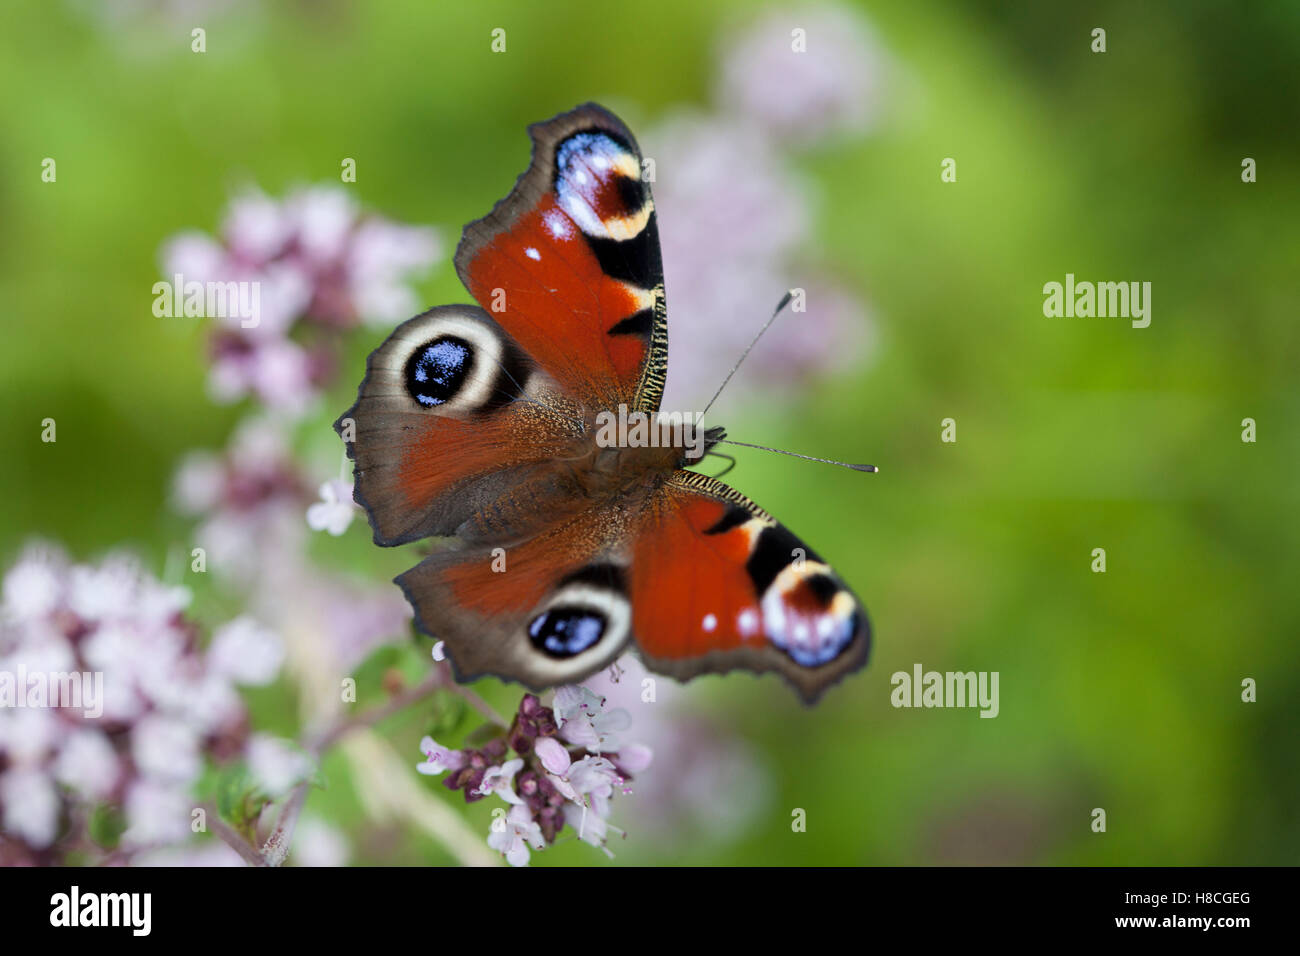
[[1119, 690]]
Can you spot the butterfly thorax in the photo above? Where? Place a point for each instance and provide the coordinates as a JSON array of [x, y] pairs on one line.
[[606, 471]]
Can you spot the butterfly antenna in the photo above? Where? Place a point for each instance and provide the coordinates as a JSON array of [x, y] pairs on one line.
[[795, 454], [780, 307]]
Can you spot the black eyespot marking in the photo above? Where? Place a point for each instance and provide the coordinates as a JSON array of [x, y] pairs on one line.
[[631, 193], [437, 370], [567, 631], [775, 550], [823, 587]]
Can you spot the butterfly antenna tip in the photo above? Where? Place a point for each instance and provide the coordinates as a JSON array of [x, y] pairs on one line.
[[780, 307]]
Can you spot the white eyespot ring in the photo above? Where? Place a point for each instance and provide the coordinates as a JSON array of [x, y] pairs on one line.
[[607, 604], [487, 354]]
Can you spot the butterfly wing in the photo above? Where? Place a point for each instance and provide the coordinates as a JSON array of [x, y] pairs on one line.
[[717, 584], [451, 419], [569, 262], [568, 269], [548, 610], [699, 577]]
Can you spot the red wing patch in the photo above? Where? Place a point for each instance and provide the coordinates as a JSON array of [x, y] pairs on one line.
[[569, 264], [691, 593], [717, 584]]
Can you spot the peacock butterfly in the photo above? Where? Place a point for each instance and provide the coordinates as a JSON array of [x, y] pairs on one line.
[[481, 424]]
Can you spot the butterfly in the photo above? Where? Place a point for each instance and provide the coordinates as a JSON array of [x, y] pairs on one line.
[[479, 422]]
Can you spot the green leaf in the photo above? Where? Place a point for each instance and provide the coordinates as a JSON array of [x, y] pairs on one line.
[[106, 825], [240, 800], [446, 714]]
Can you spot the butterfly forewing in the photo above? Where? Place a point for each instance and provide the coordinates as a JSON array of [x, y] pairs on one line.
[[569, 262]]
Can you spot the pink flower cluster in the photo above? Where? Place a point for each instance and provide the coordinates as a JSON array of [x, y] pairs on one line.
[[251, 499], [320, 265], [805, 74], [119, 704], [569, 762]]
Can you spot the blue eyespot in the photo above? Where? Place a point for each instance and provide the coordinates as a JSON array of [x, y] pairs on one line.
[[566, 631], [826, 647], [437, 370], [595, 149]]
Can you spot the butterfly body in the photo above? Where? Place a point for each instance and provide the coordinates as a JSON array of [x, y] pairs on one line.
[[569, 546]]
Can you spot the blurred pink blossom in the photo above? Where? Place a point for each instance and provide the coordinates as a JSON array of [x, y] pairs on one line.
[[317, 843], [335, 510], [168, 705], [277, 765], [208, 853], [736, 229], [320, 264], [707, 784], [804, 73], [157, 813], [249, 499], [246, 652]]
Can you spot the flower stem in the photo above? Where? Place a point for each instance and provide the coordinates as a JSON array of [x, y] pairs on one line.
[[233, 839], [276, 849]]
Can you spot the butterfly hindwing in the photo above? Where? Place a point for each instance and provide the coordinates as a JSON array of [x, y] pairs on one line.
[[569, 262], [548, 610], [718, 584]]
